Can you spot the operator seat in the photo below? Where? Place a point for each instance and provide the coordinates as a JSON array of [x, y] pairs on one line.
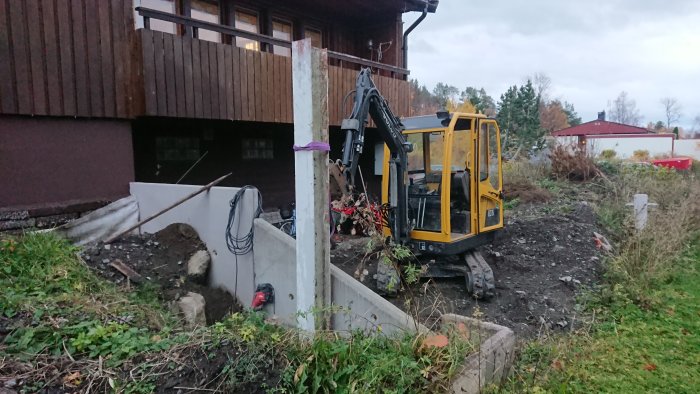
[[459, 190]]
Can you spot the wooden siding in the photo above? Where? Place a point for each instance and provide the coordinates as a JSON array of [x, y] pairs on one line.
[[67, 58], [191, 78]]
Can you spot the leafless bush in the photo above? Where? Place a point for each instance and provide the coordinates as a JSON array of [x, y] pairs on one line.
[[572, 162]]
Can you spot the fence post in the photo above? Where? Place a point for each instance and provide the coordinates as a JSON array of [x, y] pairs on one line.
[[641, 204], [310, 104]]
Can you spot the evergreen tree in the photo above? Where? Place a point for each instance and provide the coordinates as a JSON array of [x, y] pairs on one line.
[[572, 117], [519, 119]]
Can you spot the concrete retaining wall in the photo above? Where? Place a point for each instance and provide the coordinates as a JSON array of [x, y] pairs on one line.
[[208, 214], [354, 305], [491, 365]]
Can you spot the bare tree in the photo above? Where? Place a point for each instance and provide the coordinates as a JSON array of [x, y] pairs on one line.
[[542, 84], [672, 109], [624, 110], [695, 131]]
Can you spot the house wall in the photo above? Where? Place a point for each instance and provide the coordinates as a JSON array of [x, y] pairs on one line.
[[48, 162], [67, 58], [656, 145], [688, 148], [223, 140]]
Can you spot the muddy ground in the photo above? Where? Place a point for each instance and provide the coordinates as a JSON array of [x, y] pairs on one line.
[[544, 257], [161, 259]]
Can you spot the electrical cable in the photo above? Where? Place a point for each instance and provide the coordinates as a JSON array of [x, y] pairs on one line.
[[241, 245]]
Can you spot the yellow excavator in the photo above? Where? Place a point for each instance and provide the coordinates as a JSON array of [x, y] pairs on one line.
[[442, 183]]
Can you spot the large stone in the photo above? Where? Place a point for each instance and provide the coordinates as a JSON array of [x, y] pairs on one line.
[[192, 307], [198, 266]]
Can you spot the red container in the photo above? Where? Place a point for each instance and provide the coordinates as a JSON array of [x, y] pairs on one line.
[[679, 163]]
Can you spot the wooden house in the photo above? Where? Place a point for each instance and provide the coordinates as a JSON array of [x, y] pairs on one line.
[[95, 94]]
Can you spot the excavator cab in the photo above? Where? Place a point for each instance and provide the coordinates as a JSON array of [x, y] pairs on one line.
[[454, 182]]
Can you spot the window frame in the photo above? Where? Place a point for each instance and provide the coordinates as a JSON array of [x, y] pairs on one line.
[[258, 19], [284, 20]]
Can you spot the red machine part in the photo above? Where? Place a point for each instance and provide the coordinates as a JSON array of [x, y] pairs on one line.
[[679, 163]]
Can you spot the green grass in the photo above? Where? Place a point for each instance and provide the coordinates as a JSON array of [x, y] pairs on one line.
[[60, 311], [633, 348]]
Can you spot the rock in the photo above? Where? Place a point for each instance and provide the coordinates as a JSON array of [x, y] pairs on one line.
[[388, 280], [192, 307], [198, 266], [566, 279], [108, 246]]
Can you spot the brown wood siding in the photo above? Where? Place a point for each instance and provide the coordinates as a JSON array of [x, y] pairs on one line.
[[236, 84], [67, 58]]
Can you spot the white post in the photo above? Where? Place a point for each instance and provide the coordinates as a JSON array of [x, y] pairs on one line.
[[641, 204], [310, 103]]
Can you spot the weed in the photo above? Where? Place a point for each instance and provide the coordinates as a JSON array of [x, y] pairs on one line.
[[511, 204], [572, 162]]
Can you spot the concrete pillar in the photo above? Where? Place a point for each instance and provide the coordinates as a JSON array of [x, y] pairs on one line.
[[310, 104]]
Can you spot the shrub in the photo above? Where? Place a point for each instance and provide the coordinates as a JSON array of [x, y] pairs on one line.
[[608, 154], [572, 162], [640, 155]]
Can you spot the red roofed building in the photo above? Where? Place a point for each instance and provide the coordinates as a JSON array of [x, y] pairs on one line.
[[624, 139], [599, 126]]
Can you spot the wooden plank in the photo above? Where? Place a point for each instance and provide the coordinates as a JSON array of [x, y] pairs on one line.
[[178, 63], [82, 89], [188, 76], [333, 98], [221, 79], [276, 86], [264, 92], [206, 83], [126, 271], [228, 92], [20, 56], [8, 98], [213, 80], [170, 84], [53, 69], [120, 55], [149, 72], [258, 87], [250, 96], [65, 44], [37, 59], [288, 90], [197, 79], [238, 82], [94, 60], [161, 85], [107, 57]]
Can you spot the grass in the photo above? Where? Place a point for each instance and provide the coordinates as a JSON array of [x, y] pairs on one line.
[[641, 330], [103, 338], [632, 349]]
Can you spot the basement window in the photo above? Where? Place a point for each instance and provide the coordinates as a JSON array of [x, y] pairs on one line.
[[177, 148], [258, 149]]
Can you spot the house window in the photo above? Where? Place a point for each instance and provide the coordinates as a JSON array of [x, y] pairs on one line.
[[258, 148], [315, 36], [177, 148], [208, 11], [283, 31], [165, 6], [247, 21]]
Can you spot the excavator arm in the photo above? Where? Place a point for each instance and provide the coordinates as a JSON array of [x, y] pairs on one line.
[[368, 102]]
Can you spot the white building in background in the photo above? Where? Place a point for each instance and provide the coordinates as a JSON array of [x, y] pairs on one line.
[[599, 135]]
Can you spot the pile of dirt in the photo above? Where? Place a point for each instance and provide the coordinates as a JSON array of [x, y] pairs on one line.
[[540, 262], [525, 193], [161, 259]]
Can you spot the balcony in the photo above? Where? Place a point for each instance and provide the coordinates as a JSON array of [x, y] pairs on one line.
[[187, 77]]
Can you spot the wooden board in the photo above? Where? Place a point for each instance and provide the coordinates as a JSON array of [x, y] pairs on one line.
[[8, 98], [170, 93]]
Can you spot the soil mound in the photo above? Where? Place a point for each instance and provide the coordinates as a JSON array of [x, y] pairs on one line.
[[161, 259]]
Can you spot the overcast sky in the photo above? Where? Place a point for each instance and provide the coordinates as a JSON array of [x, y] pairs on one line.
[[592, 50]]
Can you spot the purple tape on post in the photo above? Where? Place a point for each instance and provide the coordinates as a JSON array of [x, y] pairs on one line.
[[314, 145]]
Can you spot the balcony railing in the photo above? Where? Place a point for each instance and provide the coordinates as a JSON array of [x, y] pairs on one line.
[[192, 26]]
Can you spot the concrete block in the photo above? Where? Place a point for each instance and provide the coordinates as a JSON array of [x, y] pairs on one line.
[[198, 267], [494, 359], [192, 307]]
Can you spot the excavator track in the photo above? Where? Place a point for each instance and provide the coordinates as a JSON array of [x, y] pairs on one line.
[[479, 276]]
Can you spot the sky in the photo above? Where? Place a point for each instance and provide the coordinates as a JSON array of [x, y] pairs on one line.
[[592, 50]]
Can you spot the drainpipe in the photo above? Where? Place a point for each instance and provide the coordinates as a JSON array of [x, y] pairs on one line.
[[404, 48]]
